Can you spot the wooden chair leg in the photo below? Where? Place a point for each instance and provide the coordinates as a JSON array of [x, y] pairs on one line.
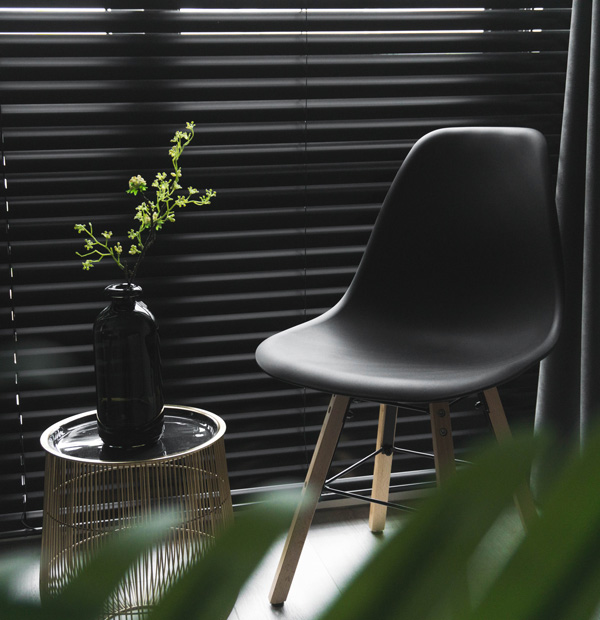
[[313, 485], [523, 496], [443, 447], [383, 467], [445, 467]]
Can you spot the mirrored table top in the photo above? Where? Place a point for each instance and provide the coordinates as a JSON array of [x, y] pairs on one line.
[[186, 429]]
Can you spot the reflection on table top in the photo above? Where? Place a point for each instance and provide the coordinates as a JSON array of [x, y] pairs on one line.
[[186, 429]]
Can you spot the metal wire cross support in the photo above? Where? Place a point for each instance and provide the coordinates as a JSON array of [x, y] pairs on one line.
[[386, 441], [327, 486]]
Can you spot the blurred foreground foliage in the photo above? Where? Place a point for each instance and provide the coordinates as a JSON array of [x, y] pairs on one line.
[[462, 556]]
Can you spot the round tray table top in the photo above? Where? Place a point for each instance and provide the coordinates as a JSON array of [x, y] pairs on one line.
[[187, 429]]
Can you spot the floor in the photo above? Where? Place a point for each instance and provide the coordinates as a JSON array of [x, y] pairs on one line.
[[328, 561]]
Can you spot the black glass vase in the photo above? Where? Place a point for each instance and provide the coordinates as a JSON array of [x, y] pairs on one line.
[[130, 404]]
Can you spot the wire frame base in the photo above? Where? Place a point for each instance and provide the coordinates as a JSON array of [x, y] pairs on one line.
[[85, 502]]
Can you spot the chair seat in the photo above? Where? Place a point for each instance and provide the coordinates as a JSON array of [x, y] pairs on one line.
[[342, 355]]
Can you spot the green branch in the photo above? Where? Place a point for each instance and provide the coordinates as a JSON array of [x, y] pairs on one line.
[[152, 214]]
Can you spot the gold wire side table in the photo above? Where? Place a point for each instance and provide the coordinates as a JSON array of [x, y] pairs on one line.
[[91, 490]]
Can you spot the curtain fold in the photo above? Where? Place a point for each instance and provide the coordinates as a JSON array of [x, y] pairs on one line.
[[569, 387]]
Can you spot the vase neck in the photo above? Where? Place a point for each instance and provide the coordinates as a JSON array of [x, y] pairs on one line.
[[123, 295]]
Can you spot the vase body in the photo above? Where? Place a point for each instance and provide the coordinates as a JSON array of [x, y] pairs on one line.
[[130, 404]]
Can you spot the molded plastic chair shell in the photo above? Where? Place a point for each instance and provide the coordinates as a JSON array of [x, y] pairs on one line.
[[460, 286]]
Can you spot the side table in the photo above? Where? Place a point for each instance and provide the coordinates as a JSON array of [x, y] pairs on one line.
[[91, 491]]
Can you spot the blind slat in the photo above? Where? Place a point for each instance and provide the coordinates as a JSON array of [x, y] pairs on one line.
[[125, 21]]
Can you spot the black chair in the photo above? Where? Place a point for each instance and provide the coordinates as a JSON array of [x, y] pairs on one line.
[[459, 290]]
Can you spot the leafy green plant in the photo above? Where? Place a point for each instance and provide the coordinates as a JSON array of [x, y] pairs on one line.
[[443, 564], [209, 588], [151, 215]]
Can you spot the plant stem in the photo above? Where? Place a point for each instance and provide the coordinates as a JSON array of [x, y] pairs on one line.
[[149, 241]]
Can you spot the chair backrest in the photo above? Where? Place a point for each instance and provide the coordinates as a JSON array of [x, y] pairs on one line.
[[467, 240]]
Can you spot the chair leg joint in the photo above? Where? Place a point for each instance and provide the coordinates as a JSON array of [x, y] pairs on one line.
[[389, 432]]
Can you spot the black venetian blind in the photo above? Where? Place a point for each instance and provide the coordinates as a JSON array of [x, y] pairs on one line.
[[304, 112]]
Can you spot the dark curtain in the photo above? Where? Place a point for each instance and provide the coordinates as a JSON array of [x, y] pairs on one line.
[[569, 387]]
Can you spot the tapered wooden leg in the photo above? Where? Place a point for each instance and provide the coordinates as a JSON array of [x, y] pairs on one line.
[[443, 447], [445, 467], [382, 468], [523, 496], [315, 479]]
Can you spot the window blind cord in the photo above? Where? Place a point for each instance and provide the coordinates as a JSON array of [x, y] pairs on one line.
[[13, 327]]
